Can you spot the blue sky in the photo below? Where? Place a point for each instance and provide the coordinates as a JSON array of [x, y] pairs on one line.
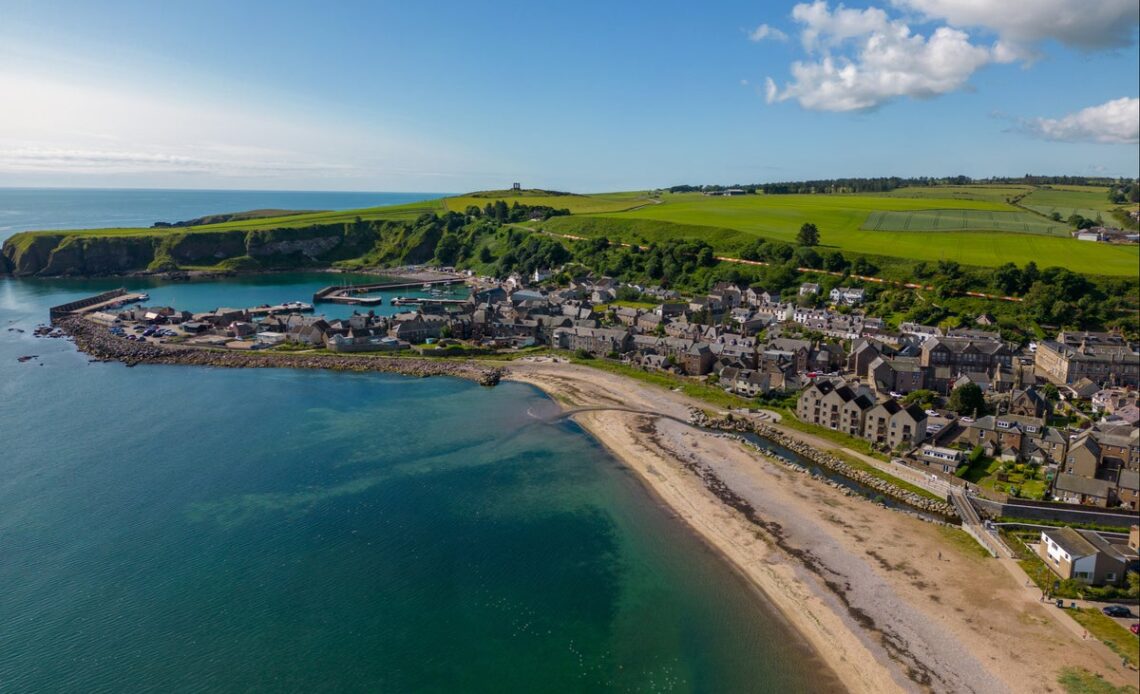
[[587, 96]]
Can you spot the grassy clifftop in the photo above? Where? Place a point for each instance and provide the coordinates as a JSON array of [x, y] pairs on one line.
[[978, 225]]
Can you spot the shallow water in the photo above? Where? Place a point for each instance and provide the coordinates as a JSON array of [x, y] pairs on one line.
[[198, 529]]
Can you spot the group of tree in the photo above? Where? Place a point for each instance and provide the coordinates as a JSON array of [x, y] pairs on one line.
[[1124, 192], [502, 213], [1080, 222], [749, 189]]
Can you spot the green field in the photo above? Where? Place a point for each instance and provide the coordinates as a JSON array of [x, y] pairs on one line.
[[730, 222], [996, 193], [1087, 201], [963, 220]]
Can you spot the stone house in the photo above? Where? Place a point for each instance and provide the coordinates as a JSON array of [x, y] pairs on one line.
[[836, 407], [890, 424]]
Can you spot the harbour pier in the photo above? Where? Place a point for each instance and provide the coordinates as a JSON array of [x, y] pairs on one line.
[[349, 294]]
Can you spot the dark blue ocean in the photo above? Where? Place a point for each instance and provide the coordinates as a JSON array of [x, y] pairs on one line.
[[184, 529]]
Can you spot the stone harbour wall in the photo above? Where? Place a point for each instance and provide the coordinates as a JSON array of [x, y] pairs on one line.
[[99, 343], [824, 460]]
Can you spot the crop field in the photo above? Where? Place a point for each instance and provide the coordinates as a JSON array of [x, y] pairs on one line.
[[991, 193], [963, 220], [1087, 201], [780, 216]]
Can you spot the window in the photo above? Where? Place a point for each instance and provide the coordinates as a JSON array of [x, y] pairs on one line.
[[1110, 577]]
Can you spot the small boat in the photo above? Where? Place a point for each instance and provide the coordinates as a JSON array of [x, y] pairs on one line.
[[144, 297], [427, 286]]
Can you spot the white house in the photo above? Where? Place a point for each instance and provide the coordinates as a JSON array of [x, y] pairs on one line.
[[846, 295]]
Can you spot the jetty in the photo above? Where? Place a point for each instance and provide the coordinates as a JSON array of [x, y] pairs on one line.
[[112, 299], [349, 294], [424, 301], [287, 307]]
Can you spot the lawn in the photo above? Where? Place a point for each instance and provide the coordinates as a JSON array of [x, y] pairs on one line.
[[988, 473], [1109, 631]]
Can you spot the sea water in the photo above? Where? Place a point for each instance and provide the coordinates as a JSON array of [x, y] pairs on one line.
[[168, 528]]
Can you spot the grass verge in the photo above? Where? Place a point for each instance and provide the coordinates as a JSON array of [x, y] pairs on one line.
[[962, 540], [885, 476], [1109, 632], [1077, 680]]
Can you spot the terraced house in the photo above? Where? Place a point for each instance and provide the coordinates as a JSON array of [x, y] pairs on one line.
[[892, 425], [1102, 468], [835, 406], [965, 354], [1103, 358]]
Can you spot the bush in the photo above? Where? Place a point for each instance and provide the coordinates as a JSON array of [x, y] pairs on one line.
[[583, 354]]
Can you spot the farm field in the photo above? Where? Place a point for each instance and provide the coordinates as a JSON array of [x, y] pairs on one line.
[[984, 249], [780, 216], [963, 220], [1087, 201], [991, 193], [730, 222]]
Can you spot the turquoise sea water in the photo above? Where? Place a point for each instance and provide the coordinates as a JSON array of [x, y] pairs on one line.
[[196, 529]]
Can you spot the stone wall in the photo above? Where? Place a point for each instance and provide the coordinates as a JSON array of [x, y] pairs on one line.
[[830, 462]]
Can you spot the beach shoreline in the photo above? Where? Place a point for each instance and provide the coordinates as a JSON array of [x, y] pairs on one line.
[[886, 601]]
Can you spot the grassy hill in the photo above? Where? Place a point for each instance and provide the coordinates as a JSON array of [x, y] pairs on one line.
[[975, 228], [976, 225]]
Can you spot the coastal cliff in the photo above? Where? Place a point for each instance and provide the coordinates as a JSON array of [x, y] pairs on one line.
[[124, 251]]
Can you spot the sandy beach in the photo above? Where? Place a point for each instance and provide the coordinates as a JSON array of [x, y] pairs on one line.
[[889, 602]]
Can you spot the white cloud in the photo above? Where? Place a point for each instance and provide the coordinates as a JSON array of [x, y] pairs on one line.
[[832, 28], [1113, 122], [41, 159], [887, 60], [766, 32], [56, 125], [1084, 24]]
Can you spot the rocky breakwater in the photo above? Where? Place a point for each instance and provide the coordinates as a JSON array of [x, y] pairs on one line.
[[735, 424], [100, 344]]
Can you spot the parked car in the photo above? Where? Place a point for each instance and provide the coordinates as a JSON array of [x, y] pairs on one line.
[[1116, 611]]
